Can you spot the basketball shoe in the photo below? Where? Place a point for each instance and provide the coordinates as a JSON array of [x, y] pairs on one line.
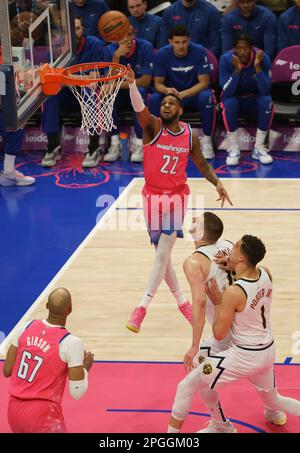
[[276, 417], [215, 426], [262, 154], [113, 153], [136, 319], [15, 178], [51, 157], [92, 159]]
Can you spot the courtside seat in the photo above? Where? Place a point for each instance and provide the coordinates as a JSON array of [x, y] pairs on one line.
[[286, 84]]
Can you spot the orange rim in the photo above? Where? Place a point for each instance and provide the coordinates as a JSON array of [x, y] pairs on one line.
[[67, 80]]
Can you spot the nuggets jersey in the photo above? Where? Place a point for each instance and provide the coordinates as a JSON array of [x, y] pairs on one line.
[[220, 248], [252, 327], [166, 159], [39, 372]]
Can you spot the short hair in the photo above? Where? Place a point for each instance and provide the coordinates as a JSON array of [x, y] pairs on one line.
[[176, 97], [243, 37], [253, 249], [213, 226], [79, 18], [178, 30]]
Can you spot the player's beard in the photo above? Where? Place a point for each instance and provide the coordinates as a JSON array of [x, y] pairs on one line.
[[170, 120]]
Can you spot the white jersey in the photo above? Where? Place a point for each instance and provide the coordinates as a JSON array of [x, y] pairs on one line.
[[220, 249], [252, 327]]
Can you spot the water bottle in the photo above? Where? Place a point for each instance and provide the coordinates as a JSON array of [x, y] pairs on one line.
[[124, 146]]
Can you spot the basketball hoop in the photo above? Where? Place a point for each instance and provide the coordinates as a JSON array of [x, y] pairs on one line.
[[95, 86]]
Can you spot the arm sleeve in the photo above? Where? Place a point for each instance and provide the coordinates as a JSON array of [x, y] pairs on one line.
[[71, 351], [282, 39], [229, 79], [78, 388], [263, 78], [270, 36], [226, 34], [214, 32]]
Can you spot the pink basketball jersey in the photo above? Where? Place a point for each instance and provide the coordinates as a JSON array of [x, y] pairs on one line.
[[166, 159], [39, 372]]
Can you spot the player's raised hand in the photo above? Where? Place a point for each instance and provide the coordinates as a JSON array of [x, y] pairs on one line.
[[88, 360], [188, 358], [213, 291], [223, 194], [130, 77]]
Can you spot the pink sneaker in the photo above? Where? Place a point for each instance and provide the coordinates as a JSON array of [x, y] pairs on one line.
[[136, 319], [186, 310]]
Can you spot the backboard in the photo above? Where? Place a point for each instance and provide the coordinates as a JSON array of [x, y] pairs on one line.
[[32, 33]]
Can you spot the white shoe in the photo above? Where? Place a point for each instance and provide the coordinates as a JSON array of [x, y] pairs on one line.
[[262, 154], [215, 426], [276, 417], [137, 154], [233, 157], [207, 148], [16, 178], [92, 160], [51, 157], [113, 153]]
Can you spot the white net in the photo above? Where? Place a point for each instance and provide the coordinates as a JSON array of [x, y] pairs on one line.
[[97, 99]]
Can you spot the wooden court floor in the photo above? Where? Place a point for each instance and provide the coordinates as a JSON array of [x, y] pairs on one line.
[[107, 275]]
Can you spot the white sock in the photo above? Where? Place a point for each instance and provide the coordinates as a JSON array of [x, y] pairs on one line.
[[115, 140], [162, 257], [139, 141], [146, 300], [172, 282], [9, 163], [233, 143], [173, 430], [260, 138]]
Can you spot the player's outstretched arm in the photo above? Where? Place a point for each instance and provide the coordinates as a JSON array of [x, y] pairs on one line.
[[193, 271], [207, 171], [145, 118]]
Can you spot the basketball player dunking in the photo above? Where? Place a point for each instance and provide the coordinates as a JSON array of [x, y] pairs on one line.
[[167, 145]]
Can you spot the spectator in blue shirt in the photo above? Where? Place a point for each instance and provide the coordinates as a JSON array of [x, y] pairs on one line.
[[201, 19], [89, 50], [255, 21], [289, 27], [139, 54], [90, 11], [146, 26], [182, 68], [245, 77]]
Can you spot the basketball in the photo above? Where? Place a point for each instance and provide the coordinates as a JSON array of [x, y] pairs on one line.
[[113, 26]]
